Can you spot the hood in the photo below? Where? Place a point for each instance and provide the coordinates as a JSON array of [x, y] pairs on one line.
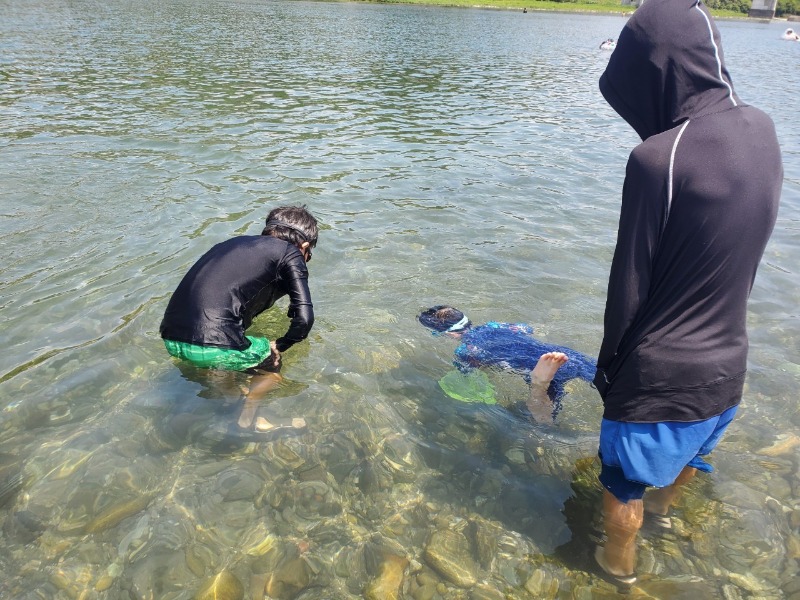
[[667, 67]]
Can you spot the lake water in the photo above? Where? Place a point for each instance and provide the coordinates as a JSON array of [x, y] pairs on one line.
[[453, 156]]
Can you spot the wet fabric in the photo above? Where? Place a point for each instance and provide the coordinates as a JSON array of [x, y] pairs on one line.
[[512, 346], [231, 284], [468, 387], [209, 357], [636, 455], [699, 203]]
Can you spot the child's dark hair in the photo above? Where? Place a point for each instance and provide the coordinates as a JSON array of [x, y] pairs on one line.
[[293, 224], [444, 318]]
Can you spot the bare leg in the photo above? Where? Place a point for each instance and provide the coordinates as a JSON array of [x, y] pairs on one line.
[[260, 385], [622, 522], [542, 374], [658, 501]]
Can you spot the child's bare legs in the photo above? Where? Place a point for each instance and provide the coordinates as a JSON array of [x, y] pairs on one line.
[[260, 385], [658, 501], [542, 374], [265, 379], [622, 521]]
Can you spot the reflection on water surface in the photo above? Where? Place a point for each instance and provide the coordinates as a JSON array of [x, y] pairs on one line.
[[459, 156]]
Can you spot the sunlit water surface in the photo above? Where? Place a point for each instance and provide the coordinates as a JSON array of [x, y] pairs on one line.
[[459, 156]]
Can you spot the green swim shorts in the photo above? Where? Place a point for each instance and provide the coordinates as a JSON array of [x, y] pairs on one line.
[[227, 359]]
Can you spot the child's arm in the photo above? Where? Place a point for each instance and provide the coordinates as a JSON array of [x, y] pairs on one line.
[[301, 310]]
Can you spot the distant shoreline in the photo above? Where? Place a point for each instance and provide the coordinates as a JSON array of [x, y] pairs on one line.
[[521, 6]]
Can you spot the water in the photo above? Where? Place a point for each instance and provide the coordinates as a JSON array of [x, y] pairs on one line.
[[459, 156]]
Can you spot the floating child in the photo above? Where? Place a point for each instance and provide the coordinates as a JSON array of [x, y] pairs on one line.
[[509, 346]]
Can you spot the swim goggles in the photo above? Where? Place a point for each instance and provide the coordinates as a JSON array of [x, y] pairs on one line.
[[276, 223], [457, 326]]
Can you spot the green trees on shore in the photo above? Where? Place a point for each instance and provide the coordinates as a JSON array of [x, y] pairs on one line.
[[785, 7]]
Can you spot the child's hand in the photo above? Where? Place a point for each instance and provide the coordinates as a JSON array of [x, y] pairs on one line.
[[275, 356]]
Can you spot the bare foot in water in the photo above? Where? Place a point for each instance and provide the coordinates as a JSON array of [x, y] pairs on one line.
[[547, 367], [262, 424], [542, 374]]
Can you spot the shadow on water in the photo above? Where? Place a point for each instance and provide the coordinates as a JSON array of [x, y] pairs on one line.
[[493, 461], [202, 410]]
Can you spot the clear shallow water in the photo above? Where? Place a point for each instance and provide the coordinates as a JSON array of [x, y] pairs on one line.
[[458, 156]]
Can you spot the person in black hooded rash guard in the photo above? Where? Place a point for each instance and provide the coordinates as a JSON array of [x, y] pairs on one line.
[[699, 203], [235, 281]]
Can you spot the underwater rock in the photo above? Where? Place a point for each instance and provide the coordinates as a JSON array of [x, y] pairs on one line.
[[223, 586], [198, 559], [135, 539], [372, 476], [162, 571], [401, 457], [47, 413], [315, 499], [740, 495], [484, 535], [313, 472], [24, 526], [116, 513], [752, 584], [388, 583], [703, 544], [784, 444], [104, 583], [289, 579], [778, 487], [9, 486], [73, 581], [258, 540], [749, 542], [424, 592], [351, 565], [542, 585], [448, 552], [238, 484], [343, 453], [793, 546], [482, 592], [268, 555], [792, 587], [380, 360], [283, 455]]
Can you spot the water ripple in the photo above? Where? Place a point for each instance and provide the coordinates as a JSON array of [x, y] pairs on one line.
[[458, 156]]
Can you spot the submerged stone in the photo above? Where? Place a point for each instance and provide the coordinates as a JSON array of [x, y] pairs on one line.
[[679, 588], [387, 585], [483, 592], [448, 552], [485, 535], [784, 444], [223, 586], [10, 486], [116, 513], [293, 575]]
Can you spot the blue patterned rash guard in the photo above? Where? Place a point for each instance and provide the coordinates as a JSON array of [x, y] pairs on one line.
[[511, 346]]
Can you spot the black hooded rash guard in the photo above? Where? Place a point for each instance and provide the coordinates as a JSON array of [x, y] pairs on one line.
[[231, 284], [699, 203]]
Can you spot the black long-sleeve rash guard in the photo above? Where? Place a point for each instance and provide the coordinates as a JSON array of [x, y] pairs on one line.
[[699, 203], [231, 284]]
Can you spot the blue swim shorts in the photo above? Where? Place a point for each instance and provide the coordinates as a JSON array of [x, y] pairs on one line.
[[637, 455]]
